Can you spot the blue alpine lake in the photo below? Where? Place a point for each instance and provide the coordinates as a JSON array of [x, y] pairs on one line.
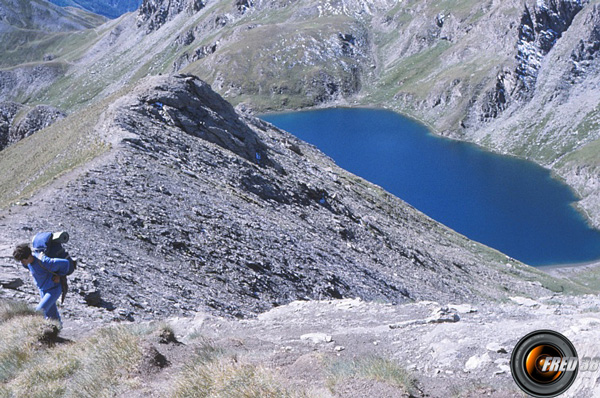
[[512, 205]]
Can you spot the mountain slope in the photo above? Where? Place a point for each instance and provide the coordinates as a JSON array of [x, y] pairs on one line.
[[196, 206], [504, 74], [40, 15], [38, 42], [37, 31]]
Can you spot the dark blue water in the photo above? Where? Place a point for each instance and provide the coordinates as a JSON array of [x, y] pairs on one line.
[[506, 203]]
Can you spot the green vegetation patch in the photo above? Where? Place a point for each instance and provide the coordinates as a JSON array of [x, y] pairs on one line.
[[412, 70], [24, 46]]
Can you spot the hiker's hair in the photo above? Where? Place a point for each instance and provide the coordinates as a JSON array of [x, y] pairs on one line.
[[22, 252]]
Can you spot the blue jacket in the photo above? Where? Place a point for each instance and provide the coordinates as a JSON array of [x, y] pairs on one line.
[[43, 268]]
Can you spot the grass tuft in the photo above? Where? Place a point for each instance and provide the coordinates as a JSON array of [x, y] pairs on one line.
[[13, 309], [225, 377], [33, 364], [21, 337], [371, 368]]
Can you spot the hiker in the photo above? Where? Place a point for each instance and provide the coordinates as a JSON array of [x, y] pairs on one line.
[[46, 273]]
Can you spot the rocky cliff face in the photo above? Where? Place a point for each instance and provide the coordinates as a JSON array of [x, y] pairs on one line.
[[198, 206], [8, 111], [538, 32]]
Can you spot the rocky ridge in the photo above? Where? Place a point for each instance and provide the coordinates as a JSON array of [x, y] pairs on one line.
[[198, 206]]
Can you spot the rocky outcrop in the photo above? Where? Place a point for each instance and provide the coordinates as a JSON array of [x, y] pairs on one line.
[[155, 13], [189, 57], [538, 32], [191, 106], [33, 120], [8, 111], [585, 54], [38, 118]]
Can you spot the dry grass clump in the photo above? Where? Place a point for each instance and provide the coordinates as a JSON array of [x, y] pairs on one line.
[[34, 364], [371, 368], [214, 374], [225, 378], [22, 337], [11, 309], [102, 365]]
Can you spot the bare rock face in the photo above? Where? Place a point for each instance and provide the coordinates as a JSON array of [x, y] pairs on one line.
[[190, 105], [541, 26], [538, 32], [585, 54]]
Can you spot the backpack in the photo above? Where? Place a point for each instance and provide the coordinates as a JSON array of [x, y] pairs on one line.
[[50, 244]]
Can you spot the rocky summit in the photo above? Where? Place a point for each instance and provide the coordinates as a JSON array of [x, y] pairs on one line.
[[198, 206]]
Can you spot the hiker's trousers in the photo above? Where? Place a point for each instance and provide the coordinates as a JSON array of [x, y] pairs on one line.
[[48, 303]]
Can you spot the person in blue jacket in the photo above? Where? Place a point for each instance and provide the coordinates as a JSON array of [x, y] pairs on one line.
[[46, 273]]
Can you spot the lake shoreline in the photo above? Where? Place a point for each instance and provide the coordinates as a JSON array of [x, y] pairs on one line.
[[498, 200], [569, 269]]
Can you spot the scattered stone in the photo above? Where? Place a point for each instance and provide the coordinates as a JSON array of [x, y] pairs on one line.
[[442, 315], [495, 347], [93, 298], [524, 301], [317, 338], [463, 308], [476, 362], [10, 281]]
